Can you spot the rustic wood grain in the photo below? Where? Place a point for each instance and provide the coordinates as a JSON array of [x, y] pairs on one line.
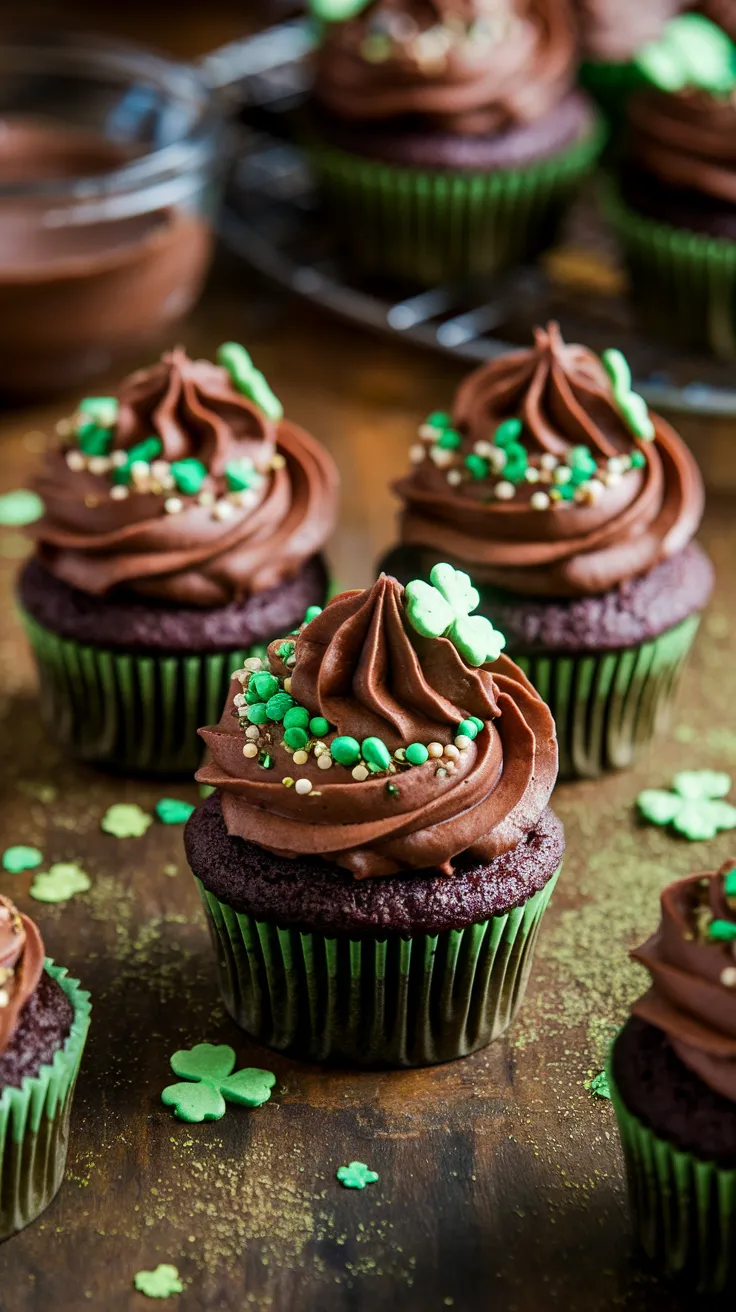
[[500, 1176]]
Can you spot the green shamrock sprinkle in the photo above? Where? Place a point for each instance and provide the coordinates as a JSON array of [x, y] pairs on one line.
[[19, 508], [508, 432], [444, 610], [209, 1067], [296, 738], [297, 717], [632, 407], [125, 820], [17, 859], [416, 754], [241, 475], [171, 811], [189, 475], [311, 613], [356, 1175], [722, 931], [60, 882], [247, 379], [637, 459], [319, 726], [278, 705], [693, 807], [376, 753], [346, 751], [161, 1283], [467, 729], [599, 1085], [692, 52]]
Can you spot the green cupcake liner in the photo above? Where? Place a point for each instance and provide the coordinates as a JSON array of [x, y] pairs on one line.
[[607, 705], [437, 226], [610, 85], [388, 1001], [34, 1121], [133, 712], [684, 1209], [683, 283]]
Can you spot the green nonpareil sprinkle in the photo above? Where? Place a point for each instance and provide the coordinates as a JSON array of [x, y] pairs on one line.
[[189, 475], [278, 705], [93, 440], [467, 729], [143, 452], [257, 714], [449, 440], [508, 432], [729, 884], [638, 460], [297, 717], [311, 613], [517, 463], [296, 739], [346, 751], [19, 858], [265, 761], [241, 475], [319, 726], [375, 753], [263, 685], [722, 931], [477, 466], [416, 754], [474, 719], [438, 419]]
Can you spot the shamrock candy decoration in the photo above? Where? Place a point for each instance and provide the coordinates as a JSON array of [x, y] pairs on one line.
[[694, 807], [336, 11], [60, 882], [161, 1283], [210, 1068], [171, 811], [692, 52], [443, 611], [632, 407], [356, 1175], [249, 380], [125, 820], [19, 858]]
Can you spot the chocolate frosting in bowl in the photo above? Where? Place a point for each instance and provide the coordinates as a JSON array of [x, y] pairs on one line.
[[692, 963], [75, 295], [453, 65], [206, 546], [686, 140], [21, 964], [639, 503], [372, 678]]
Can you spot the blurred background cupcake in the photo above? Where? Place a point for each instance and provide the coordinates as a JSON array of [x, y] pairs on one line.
[[611, 32], [379, 852], [448, 139], [675, 210], [672, 1074], [185, 519], [573, 509], [44, 1020]]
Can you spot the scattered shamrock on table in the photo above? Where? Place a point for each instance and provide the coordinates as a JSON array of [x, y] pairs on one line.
[[210, 1067], [60, 882], [171, 811], [19, 858], [356, 1175], [695, 806], [160, 1283], [599, 1085], [125, 820]]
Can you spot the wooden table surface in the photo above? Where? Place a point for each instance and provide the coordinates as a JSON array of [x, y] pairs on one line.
[[500, 1176]]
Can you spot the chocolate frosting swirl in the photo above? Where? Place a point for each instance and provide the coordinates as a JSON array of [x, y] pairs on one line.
[[722, 12], [21, 963], [459, 66], [686, 140], [693, 993], [613, 30], [196, 556], [564, 397], [361, 666]]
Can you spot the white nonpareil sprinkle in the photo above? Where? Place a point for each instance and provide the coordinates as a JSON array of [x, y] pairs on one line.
[[441, 456], [98, 464], [118, 459], [75, 461], [239, 699], [505, 491], [324, 761], [548, 461], [462, 742], [160, 468], [427, 432], [250, 749], [454, 476], [253, 731], [539, 501], [303, 786], [360, 773], [435, 749], [450, 768], [563, 474], [253, 663], [300, 757], [416, 454], [728, 977], [485, 449], [451, 752], [206, 497], [119, 492], [618, 464], [531, 474], [172, 505], [277, 462], [497, 459], [223, 510]]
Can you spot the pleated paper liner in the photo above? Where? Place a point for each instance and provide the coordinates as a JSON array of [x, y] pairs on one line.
[[388, 1001], [34, 1121], [683, 283], [607, 705], [684, 1209], [435, 226], [133, 712]]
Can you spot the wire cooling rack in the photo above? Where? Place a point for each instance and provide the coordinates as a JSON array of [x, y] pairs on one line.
[[272, 220]]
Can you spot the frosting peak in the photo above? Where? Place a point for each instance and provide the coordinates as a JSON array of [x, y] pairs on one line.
[[550, 477], [21, 963], [692, 962], [187, 486], [378, 748]]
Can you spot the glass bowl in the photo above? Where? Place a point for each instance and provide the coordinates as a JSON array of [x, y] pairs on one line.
[[108, 184]]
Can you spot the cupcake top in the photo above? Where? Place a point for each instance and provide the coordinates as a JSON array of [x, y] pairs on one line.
[[722, 12], [21, 964], [683, 125], [387, 735], [692, 961], [188, 486], [613, 30], [463, 66], [551, 477]]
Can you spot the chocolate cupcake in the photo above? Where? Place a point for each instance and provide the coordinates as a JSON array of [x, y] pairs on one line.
[[573, 509], [184, 523], [675, 207], [612, 31], [44, 1018], [672, 1073], [448, 138], [378, 854]]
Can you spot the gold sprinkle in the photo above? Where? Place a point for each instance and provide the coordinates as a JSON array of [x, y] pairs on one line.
[[91, 501], [278, 461]]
